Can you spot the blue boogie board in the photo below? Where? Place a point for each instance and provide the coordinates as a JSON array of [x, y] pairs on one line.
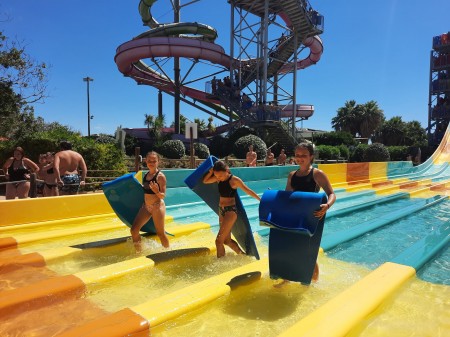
[[210, 194], [126, 196], [295, 232]]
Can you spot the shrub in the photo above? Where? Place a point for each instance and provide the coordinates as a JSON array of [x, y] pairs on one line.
[[344, 151], [334, 138], [240, 147], [172, 149], [201, 150], [398, 153], [327, 152], [376, 152], [358, 153]]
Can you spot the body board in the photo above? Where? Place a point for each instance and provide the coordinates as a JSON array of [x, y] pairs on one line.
[[126, 196], [295, 232], [210, 194]]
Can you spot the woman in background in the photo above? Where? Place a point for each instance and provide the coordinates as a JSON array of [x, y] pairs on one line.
[[17, 170]]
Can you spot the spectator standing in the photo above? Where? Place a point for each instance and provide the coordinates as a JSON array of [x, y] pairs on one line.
[[17, 170], [70, 169]]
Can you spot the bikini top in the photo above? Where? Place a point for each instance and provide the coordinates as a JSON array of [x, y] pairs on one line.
[[17, 174], [225, 189], [147, 189], [304, 184]]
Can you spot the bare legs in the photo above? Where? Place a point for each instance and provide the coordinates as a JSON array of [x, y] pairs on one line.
[[158, 212], [21, 190], [224, 236]]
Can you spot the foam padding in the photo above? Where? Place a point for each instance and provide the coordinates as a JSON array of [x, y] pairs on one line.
[[295, 235], [126, 196], [242, 230]]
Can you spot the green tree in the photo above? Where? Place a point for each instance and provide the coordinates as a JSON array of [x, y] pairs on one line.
[[391, 132], [23, 81], [346, 119], [155, 126], [358, 119], [370, 117]]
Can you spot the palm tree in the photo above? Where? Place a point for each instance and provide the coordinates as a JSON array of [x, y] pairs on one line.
[[155, 126], [346, 119], [371, 117], [391, 132]]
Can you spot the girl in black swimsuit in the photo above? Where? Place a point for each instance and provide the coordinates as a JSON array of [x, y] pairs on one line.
[[153, 207], [227, 187], [17, 169], [309, 179]]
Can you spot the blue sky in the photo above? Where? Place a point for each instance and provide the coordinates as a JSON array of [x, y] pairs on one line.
[[373, 50]]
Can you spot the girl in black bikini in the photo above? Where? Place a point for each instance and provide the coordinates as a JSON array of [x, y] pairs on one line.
[[154, 192], [227, 185], [309, 179], [17, 169]]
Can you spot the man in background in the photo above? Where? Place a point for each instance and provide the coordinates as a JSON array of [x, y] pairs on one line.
[[70, 169]]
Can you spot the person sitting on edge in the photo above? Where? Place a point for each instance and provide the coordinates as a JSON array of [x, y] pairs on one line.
[[308, 179], [251, 157], [227, 185], [153, 207], [66, 165], [17, 169]]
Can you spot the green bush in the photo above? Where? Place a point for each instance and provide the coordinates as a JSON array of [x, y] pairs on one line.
[[344, 151], [398, 153], [334, 138], [219, 146], [376, 152], [201, 150], [240, 147], [327, 152], [173, 149], [358, 153]]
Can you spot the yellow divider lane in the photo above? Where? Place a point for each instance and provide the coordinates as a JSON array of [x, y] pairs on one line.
[[139, 319], [338, 316]]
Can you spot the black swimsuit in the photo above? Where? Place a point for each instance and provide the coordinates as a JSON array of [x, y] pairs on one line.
[[147, 189], [304, 184], [17, 174], [226, 191]]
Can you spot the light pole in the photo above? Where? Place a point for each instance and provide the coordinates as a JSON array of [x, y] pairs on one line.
[[87, 80]]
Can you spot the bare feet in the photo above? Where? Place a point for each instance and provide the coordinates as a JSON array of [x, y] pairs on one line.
[[281, 284]]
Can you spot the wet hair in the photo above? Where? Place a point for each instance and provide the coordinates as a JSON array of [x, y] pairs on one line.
[[65, 145], [153, 153], [308, 146], [220, 166], [19, 149]]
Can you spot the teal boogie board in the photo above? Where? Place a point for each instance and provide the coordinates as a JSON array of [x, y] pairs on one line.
[[210, 194], [126, 196], [295, 232]]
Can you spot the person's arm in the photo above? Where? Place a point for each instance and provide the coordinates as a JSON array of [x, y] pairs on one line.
[[31, 165], [159, 188], [83, 168], [56, 163], [6, 166], [322, 180], [288, 183], [209, 177], [238, 183]]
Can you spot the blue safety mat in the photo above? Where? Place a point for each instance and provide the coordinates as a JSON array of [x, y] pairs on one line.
[[126, 196], [295, 232], [242, 230]]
